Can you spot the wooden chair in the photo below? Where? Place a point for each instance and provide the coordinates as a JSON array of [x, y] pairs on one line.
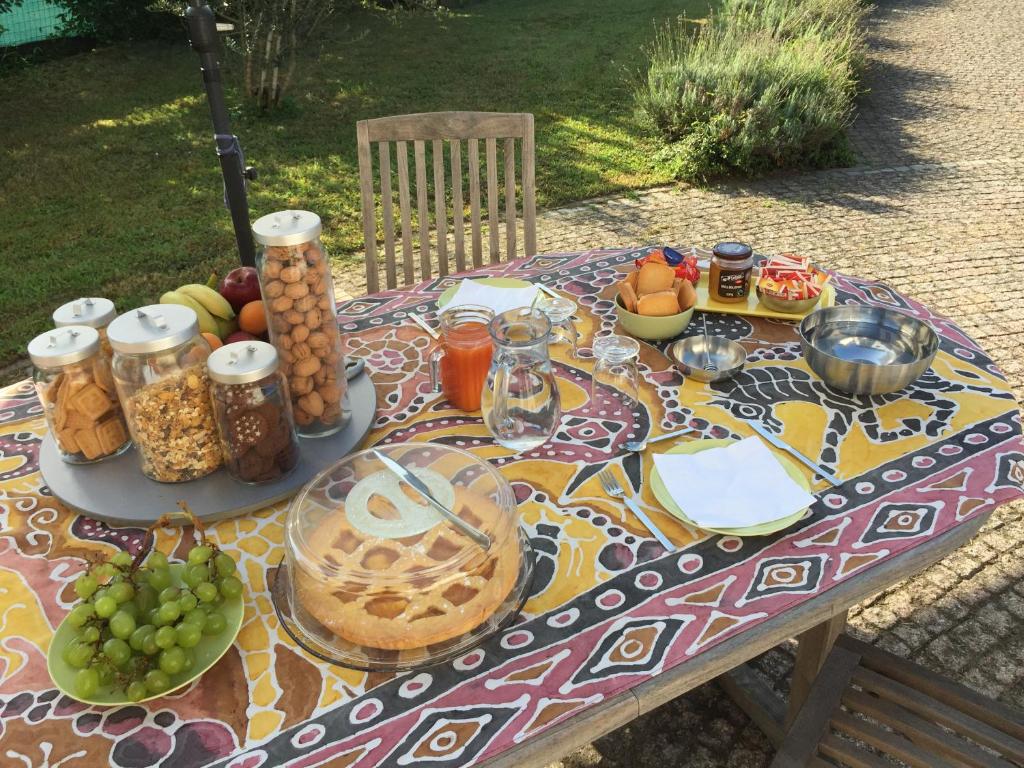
[[867, 704], [437, 129]]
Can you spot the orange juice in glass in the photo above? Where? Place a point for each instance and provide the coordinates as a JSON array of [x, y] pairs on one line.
[[459, 367]]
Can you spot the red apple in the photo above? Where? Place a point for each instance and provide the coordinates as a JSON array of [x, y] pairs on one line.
[[240, 286], [240, 336]]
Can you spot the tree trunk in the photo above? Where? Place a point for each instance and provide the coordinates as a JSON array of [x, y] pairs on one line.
[[275, 94]]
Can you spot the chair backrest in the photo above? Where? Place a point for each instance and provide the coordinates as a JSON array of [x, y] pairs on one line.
[[431, 131]]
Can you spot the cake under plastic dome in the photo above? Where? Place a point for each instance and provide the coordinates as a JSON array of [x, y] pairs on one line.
[[376, 578]]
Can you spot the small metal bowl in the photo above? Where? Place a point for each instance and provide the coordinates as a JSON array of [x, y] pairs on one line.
[[867, 350], [789, 306], [689, 355]]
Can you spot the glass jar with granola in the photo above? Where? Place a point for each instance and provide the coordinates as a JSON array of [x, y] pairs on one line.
[[161, 377], [298, 293], [74, 384], [254, 412]]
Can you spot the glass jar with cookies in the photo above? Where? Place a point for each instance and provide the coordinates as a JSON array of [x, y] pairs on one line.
[[162, 380], [298, 294], [95, 312], [254, 412], [72, 378]]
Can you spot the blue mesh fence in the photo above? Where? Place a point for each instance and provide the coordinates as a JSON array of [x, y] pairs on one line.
[[31, 21]]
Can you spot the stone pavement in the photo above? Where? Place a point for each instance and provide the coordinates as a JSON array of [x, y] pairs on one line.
[[935, 208]]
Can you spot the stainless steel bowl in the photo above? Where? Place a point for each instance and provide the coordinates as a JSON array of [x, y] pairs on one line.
[[867, 350], [790, 306], [726, 355]]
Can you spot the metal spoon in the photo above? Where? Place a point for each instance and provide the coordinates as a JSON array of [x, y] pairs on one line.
[[636, 446], [708, 365]]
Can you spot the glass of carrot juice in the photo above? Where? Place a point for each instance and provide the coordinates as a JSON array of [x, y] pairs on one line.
[[459, 365]]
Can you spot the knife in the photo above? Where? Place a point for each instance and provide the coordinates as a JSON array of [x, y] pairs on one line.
[[420, 487], [821, 472]]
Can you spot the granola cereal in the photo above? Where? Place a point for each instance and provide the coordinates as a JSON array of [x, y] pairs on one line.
[[174, 428]]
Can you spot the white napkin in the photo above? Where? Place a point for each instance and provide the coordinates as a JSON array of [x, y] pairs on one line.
[[734, 486], [498, 299]]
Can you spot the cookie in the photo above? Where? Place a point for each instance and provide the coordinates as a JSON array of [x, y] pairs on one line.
[[246, 429], [91, 401]]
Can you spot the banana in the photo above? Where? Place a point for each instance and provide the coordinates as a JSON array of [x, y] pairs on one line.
[[214, 303], [207, 323], [226, 327]]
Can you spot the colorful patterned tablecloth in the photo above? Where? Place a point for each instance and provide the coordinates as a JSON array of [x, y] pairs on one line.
[[609, 608]]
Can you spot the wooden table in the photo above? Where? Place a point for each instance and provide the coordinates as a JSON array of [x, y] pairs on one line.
[[615, 626]]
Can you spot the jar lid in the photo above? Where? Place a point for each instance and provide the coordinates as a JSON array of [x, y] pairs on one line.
[[64, 345], [287, 228], [153, 328], [731, 251], [242, 362], [94, 312]]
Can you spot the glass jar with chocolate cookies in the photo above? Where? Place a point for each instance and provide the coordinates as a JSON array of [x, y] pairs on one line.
[[298, 294], [160, 372], [254, 412], [72, 378]]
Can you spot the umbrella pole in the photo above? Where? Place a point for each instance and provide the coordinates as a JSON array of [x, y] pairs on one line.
[[202, 29]]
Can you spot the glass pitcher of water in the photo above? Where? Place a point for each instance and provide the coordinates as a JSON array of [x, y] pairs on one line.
[[520, 402]]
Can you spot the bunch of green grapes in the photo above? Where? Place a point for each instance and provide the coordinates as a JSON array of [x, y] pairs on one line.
[[136, 629]]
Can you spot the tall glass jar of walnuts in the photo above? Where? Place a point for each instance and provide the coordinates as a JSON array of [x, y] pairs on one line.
[[298, 293]]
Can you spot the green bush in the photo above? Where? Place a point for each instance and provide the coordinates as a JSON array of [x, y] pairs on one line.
[[765, 84], [108, 21]]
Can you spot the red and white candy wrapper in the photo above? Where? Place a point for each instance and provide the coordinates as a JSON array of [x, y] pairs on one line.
[[791, 277]]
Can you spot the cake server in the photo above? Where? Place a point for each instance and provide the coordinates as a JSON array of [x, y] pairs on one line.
[[420, 487]]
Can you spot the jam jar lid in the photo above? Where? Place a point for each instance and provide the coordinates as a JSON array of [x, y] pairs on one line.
[[95, 312], [62, 346], [242, 362], [287, 228], [732, 251], [356, 523], [153, 328]]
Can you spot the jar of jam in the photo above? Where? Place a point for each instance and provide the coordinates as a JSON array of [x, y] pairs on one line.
[[254, 412], [729, 277]]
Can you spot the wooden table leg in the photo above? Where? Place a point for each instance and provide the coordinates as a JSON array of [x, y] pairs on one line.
[[812, 649], [763, 705]]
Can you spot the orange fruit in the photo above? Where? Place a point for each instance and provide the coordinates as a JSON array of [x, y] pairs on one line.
[[252, 319], [213, 340]]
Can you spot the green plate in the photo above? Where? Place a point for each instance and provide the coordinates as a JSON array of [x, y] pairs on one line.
[[662, 495], [207, 653], [494, 282]]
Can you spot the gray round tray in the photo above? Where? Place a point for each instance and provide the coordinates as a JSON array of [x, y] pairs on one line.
[[116, 491]]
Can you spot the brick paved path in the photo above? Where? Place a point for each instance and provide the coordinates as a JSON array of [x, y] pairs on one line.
[[935, 208]]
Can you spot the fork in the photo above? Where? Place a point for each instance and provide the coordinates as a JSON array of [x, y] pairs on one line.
[[612, 488]]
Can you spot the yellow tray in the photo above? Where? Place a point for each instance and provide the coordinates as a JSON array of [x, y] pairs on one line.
[[753, 306]]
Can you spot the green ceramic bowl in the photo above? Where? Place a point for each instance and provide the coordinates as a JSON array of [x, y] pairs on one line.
[[207, 653], [652, 328]]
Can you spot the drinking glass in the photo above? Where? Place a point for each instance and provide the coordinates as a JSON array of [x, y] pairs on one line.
[[563, 332], [459, 365], [520, 402], [615, 384]]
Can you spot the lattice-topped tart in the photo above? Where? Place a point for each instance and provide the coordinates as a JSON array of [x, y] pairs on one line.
[[372, 563]]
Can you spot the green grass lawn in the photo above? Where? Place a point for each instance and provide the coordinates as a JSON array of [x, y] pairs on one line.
[[109, 184]]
